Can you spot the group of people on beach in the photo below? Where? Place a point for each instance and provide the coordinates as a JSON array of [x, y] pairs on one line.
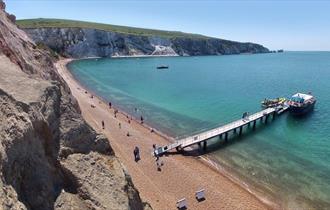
[[159, 162], [136, 151]]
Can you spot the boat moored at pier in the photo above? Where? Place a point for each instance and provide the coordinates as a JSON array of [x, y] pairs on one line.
[[301, 103], [267, 103]]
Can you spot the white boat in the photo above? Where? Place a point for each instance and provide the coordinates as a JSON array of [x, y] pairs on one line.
[[301, 103]]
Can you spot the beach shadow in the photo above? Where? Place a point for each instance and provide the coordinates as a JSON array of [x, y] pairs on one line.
[[200, 199]]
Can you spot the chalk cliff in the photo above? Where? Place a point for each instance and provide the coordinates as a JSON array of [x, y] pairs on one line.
[[86, 42], [50, 158]]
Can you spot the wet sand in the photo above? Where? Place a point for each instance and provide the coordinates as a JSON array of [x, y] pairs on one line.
[[180, 176]]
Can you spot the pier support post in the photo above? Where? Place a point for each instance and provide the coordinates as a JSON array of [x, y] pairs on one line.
[[234, 130], [199, 144], [274, 115], [261, 118], [220, 136], [254, 124], [226, 137], [266, 118], [248, 124], [204, 145], [179, 149], [240, 130]]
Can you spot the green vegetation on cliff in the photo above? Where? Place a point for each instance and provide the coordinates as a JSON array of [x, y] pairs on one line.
[[61, 23]]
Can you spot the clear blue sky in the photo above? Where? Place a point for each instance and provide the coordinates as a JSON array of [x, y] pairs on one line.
[[288, 24]]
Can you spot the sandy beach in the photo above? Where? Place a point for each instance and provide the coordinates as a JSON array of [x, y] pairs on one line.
[[180, 176]]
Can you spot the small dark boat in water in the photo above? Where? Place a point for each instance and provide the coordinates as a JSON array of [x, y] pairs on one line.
[[162, 67], [301, 103]]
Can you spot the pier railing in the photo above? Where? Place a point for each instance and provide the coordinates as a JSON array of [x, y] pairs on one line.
[[203, 136]]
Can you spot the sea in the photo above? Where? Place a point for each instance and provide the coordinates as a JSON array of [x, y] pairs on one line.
[[286, 160]]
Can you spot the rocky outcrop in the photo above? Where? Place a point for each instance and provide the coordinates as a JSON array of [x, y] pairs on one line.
[[83, 42], [12, 18], [111, 192], [49, 157], [2, 5]]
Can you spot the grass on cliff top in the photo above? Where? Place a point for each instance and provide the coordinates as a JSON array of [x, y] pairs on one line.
[[61, 23]]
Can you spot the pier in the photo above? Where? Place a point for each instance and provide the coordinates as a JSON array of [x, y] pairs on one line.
[[223, 131]]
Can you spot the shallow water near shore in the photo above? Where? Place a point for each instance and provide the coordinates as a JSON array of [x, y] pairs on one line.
[[288, 159]]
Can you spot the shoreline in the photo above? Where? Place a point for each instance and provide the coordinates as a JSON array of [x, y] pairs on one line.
[[205, 160], [127, 56], [115, 107], [234, 177], [143, 56]]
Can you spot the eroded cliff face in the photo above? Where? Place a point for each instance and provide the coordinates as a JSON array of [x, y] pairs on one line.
[[82, 42], [49, 157]]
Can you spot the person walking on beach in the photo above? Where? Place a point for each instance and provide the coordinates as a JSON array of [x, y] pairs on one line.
[[110, 105], [155, 152], [102, 124], [141, 119], [119, 125], [136, 153], [159, 164]]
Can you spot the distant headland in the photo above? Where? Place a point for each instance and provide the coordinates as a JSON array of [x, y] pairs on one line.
[[80, 39]]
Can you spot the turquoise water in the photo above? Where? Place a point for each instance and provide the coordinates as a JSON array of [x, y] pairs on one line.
[[287, 160]]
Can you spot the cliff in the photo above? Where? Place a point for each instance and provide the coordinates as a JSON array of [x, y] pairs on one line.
[[50, 158], [83, 39]]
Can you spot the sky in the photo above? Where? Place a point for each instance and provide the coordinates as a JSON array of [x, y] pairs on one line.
[[276, 24]]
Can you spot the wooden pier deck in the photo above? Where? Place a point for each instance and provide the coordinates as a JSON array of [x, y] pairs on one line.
[[222, 130]]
